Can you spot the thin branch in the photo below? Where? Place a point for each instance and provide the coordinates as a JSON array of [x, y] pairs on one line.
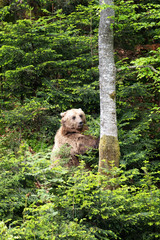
[[39, 109], [135, 66]]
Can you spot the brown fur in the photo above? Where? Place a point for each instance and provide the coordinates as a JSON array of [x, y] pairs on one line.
[[71, 134]]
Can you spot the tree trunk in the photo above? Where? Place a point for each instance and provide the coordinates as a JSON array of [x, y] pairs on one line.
[[109, 152]]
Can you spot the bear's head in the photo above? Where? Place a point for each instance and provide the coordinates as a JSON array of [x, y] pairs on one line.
[[73, 120]]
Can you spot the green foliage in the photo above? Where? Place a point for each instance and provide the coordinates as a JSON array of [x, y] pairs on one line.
[[136, 22], [4, 233], [138, 81], [49, 63], [49, 54], [61, 204], [32, 122]]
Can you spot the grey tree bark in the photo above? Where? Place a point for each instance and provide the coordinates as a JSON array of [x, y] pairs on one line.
[[109, 152]]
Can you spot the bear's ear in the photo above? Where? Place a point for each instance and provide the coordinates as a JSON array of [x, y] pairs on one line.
[[63, 114], [80, 109]]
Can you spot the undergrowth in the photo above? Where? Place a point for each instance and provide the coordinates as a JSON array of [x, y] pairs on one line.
[[39, 202]]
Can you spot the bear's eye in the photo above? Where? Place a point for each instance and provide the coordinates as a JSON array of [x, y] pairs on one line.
[[81, 116], [73, 117]]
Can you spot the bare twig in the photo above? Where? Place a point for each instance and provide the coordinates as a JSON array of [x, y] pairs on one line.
[[135, 66], [39, 109]]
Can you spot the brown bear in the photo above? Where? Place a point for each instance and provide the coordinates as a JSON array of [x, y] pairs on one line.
[[70, 134]]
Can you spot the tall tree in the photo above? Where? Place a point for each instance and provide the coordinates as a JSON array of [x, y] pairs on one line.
[[109, 151]]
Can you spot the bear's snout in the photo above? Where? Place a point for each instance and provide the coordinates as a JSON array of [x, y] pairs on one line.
[[80, 124]]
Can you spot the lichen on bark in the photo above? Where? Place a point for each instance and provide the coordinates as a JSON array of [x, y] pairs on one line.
[[109, 153], [113, 95]]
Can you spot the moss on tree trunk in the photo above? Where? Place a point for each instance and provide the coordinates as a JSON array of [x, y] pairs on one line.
[[109, 153]]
